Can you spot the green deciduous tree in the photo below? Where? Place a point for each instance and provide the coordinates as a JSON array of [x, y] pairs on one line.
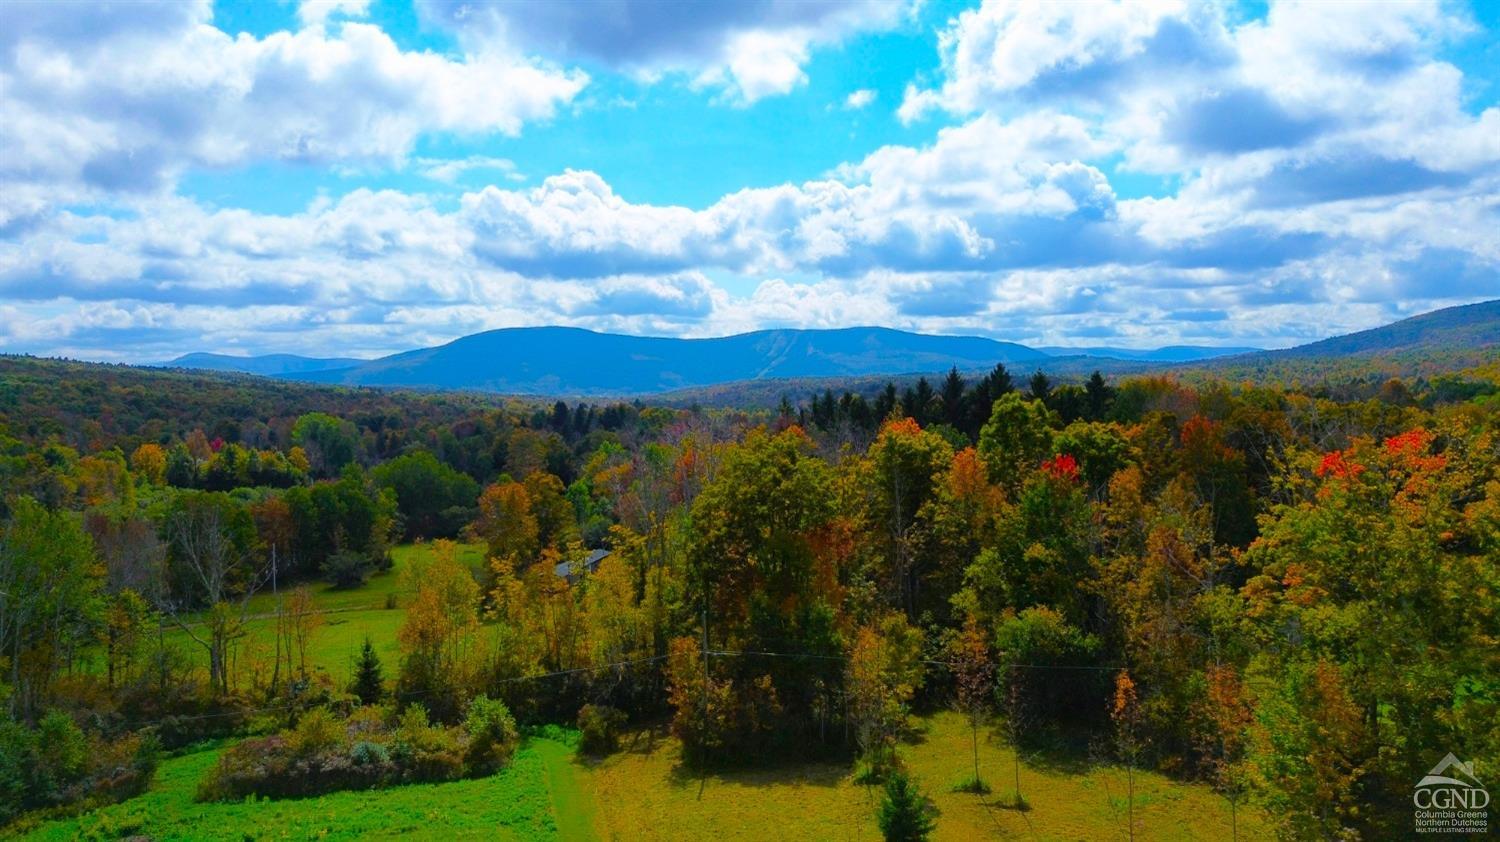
[[435, 500], [329, 443], [1017, 436], [1375, 614], [50, 597], [212, 560]]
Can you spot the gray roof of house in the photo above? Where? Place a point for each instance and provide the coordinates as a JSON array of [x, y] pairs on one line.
[[590, 562]]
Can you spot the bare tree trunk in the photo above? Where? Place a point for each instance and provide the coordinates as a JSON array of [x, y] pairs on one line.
[[974, 734], [280, 618], [1018, 776]]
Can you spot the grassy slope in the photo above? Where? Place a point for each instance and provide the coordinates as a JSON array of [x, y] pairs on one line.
[[351, 615], [511, 805]]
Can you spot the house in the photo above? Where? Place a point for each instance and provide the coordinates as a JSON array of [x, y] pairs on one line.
[[571, 570]]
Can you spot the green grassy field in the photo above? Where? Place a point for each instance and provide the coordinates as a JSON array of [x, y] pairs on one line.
[[645, 793], [349, 616], [514, 804]]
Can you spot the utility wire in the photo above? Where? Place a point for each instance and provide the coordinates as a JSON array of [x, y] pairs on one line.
[[928, 661], [717, 653]]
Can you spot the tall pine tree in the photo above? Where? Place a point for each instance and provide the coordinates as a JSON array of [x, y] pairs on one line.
[[369, 684]]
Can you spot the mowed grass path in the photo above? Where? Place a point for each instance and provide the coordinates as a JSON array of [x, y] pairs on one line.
[[573, 806]]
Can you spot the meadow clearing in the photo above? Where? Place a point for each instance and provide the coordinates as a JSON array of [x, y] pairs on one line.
[[645, 791], [347, 617]]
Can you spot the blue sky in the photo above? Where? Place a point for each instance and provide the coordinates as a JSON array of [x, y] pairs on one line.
[[666, 144], [366, 176]]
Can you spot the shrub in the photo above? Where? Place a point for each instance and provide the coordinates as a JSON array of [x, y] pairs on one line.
[[61, 749], [599, 729], [905, 815], [57, 765], [121, 769], [318, 732], [971, 784], [365, 753], [368, 719], [346, 570], [184, 715], [16, 746], [368, 749], [412, 726], [492, 734]]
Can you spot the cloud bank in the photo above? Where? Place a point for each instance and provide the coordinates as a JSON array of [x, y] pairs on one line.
[[1316, 169]]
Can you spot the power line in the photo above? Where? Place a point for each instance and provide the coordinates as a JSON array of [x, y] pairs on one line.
[[928, 661], [717, 653]]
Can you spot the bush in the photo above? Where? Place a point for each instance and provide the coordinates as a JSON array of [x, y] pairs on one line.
[[57, 765], [184, 715], [492, 734], [413, 727], [16, 746], [123, 768], [318, 732], [369, 719], [365, 753], [905, 815], [346, 570], [61, 749], [369, 749], [971, 784], [599, 729]]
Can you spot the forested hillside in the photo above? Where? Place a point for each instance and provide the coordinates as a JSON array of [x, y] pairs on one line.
[[1287, 596], [1472, 327]]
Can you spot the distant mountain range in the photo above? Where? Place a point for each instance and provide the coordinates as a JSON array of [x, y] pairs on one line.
[[563, 360], [1167, 354], [572, 361], [270, 365]]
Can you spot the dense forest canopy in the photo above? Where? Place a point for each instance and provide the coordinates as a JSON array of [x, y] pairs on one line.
[[1288, 593]]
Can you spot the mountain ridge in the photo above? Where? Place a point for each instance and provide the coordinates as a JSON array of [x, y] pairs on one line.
[[569, 360], [268, 365], [547, 360], [1164, 354]]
